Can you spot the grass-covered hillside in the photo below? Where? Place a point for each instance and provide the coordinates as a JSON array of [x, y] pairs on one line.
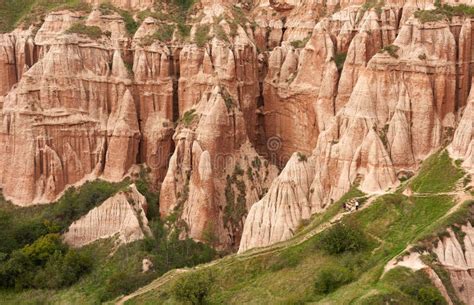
[[335, 263]]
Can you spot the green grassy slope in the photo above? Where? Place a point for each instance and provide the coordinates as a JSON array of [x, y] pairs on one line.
[[13, 12], [287, 276]]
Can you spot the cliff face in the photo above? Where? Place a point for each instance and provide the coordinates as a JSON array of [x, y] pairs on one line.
[[363, 93]]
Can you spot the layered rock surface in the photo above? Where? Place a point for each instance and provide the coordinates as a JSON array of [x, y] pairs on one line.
[[121, 216]]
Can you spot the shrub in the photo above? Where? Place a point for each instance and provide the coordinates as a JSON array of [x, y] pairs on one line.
[[122, 283], [220, 33], [28, 12], [302, 157], [331, 278], [391, 50], [428, 16], [201, 36], [444, 11], [165, 32], [93, 32], [184, 5], [188, 117], [343, 238], [339, 59], [46, 263], [183, 30], [419, 287], [297, 44], [193, 288], [62, 271], [40, 251], [130, 24]]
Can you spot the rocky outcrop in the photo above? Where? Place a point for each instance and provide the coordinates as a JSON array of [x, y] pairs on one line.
[[214, 174], [462, 146], [122, 216], [277, 215], [456, 255]]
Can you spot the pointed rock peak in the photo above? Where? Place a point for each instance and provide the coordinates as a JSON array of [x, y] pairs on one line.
[[119, 69], [128, 112]]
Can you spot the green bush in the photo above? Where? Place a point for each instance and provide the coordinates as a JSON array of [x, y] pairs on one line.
[[391, 49], [420, 287], [342, 238], [183, 30], [188, 117], [165, 32], [339, 59], [444, 11], [193, 288], [331, 278], [123, 283], [130, 24], [152, 198], [46, 263], [93, 32], [201, 37], [62, 270], [302, 157]]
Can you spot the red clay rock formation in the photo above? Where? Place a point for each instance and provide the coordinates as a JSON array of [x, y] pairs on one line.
[[276, 217], [121, 216], [214, 174], [365, 93], [462, 146]]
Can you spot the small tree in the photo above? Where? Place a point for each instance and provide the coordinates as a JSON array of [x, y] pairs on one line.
[[194, 288], [343, 238]]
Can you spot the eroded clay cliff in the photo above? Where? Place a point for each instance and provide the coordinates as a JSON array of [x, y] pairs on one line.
[[364, 92]]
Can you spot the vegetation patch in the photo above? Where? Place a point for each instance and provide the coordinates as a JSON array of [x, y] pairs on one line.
[[28, 12], [201, 36], [391, 49], [93, 32], [437, 174], [331, 278], [45, 264], [193, 288], [130, 24], [377, 5], [342, 238], [235, 195], [220, 33], [164, 34], [444, 11], [298, 44], [340, 59], [189, 117], [302, 157]]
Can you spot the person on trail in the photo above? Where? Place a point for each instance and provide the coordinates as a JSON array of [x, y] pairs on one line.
[[357, 205]]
